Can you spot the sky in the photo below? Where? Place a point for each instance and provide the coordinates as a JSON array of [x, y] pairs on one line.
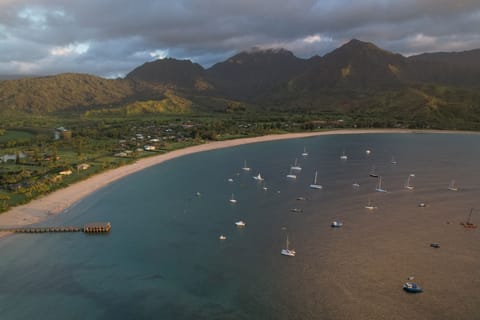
[[109, 38]]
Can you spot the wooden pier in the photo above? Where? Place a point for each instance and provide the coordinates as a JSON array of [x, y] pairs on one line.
[[97, 227]]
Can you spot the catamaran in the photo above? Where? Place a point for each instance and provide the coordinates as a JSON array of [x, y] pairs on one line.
[[314, 185], [295, 166], [452, 186], [258, 177], [304, 153], [408, 185], [379, 187], [245, 168], [232, 199], [287, 251]]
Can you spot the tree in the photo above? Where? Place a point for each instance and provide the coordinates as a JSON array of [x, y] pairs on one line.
[[4, 201]]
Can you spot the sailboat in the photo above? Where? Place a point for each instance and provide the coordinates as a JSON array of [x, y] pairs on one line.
[[304, 153], [379, 185], [372, 173], [240, 224], [233, 200], [370, 205], [314, 185], [452, 186], [291, 175], [258, 177], [265, 188], [468, 224], [287, 251], [295, 166], [245, 168], [343, 156], [393, 161], [407, 183]]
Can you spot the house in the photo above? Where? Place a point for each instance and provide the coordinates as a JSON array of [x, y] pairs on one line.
[[62, 133], [83, 166], [65, 172], [12, 157], [122, 154]]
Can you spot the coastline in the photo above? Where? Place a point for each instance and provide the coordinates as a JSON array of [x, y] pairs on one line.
[[42, 208]]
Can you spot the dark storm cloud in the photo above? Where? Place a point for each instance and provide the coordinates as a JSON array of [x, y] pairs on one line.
[[110, 37]]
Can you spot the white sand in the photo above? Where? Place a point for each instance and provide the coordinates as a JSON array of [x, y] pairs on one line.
[[42, 208]]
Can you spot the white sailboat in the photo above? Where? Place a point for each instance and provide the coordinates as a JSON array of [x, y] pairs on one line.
[[240, 224], [408, 185], [372, 173], [379, 187], [232, 199], [304, 153], [343, 156], [287, 251], [258, 177], [314, 185], [265, 188], [245, 168], [296, 167], [393, 161], [452, 186], [370, 205], [291, 175]]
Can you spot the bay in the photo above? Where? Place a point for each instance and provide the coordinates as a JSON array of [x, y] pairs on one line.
[[163, 259]]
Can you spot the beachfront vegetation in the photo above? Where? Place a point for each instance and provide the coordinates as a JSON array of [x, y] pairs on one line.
[[44, 153]]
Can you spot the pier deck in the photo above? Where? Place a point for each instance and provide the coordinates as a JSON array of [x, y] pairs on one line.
[[97, 227]]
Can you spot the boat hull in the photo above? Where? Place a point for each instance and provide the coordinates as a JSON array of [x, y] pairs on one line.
[[288, 253]]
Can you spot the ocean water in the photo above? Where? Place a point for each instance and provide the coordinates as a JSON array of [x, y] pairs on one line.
[[163, 259]]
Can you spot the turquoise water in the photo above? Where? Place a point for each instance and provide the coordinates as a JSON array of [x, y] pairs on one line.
[[163, 258]]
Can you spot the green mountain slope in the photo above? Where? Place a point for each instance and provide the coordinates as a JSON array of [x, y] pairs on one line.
[[358, 80]]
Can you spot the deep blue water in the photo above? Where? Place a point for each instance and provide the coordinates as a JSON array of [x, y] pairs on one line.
[[163, 258]]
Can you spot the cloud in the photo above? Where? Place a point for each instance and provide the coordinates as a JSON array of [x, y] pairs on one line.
[[111, 37]]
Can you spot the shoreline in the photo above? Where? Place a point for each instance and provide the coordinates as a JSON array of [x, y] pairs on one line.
[[49, 205]]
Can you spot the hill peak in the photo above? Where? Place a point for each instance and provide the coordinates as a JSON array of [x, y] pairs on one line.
[[169, 71]]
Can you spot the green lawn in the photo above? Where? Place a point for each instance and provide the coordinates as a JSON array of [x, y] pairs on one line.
[[15, 135]]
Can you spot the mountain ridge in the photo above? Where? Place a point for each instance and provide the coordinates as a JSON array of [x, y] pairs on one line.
[[355, 77]]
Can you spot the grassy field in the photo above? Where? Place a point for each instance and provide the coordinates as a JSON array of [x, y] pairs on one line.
[[15, 135]]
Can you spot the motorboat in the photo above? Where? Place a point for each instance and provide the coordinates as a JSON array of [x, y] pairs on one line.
[[337, 224], [412, 287]]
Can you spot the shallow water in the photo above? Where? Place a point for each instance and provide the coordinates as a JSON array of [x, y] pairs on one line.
[[163, 259]]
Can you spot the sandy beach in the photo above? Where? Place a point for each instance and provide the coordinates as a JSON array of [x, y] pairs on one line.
[[46, 206]]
